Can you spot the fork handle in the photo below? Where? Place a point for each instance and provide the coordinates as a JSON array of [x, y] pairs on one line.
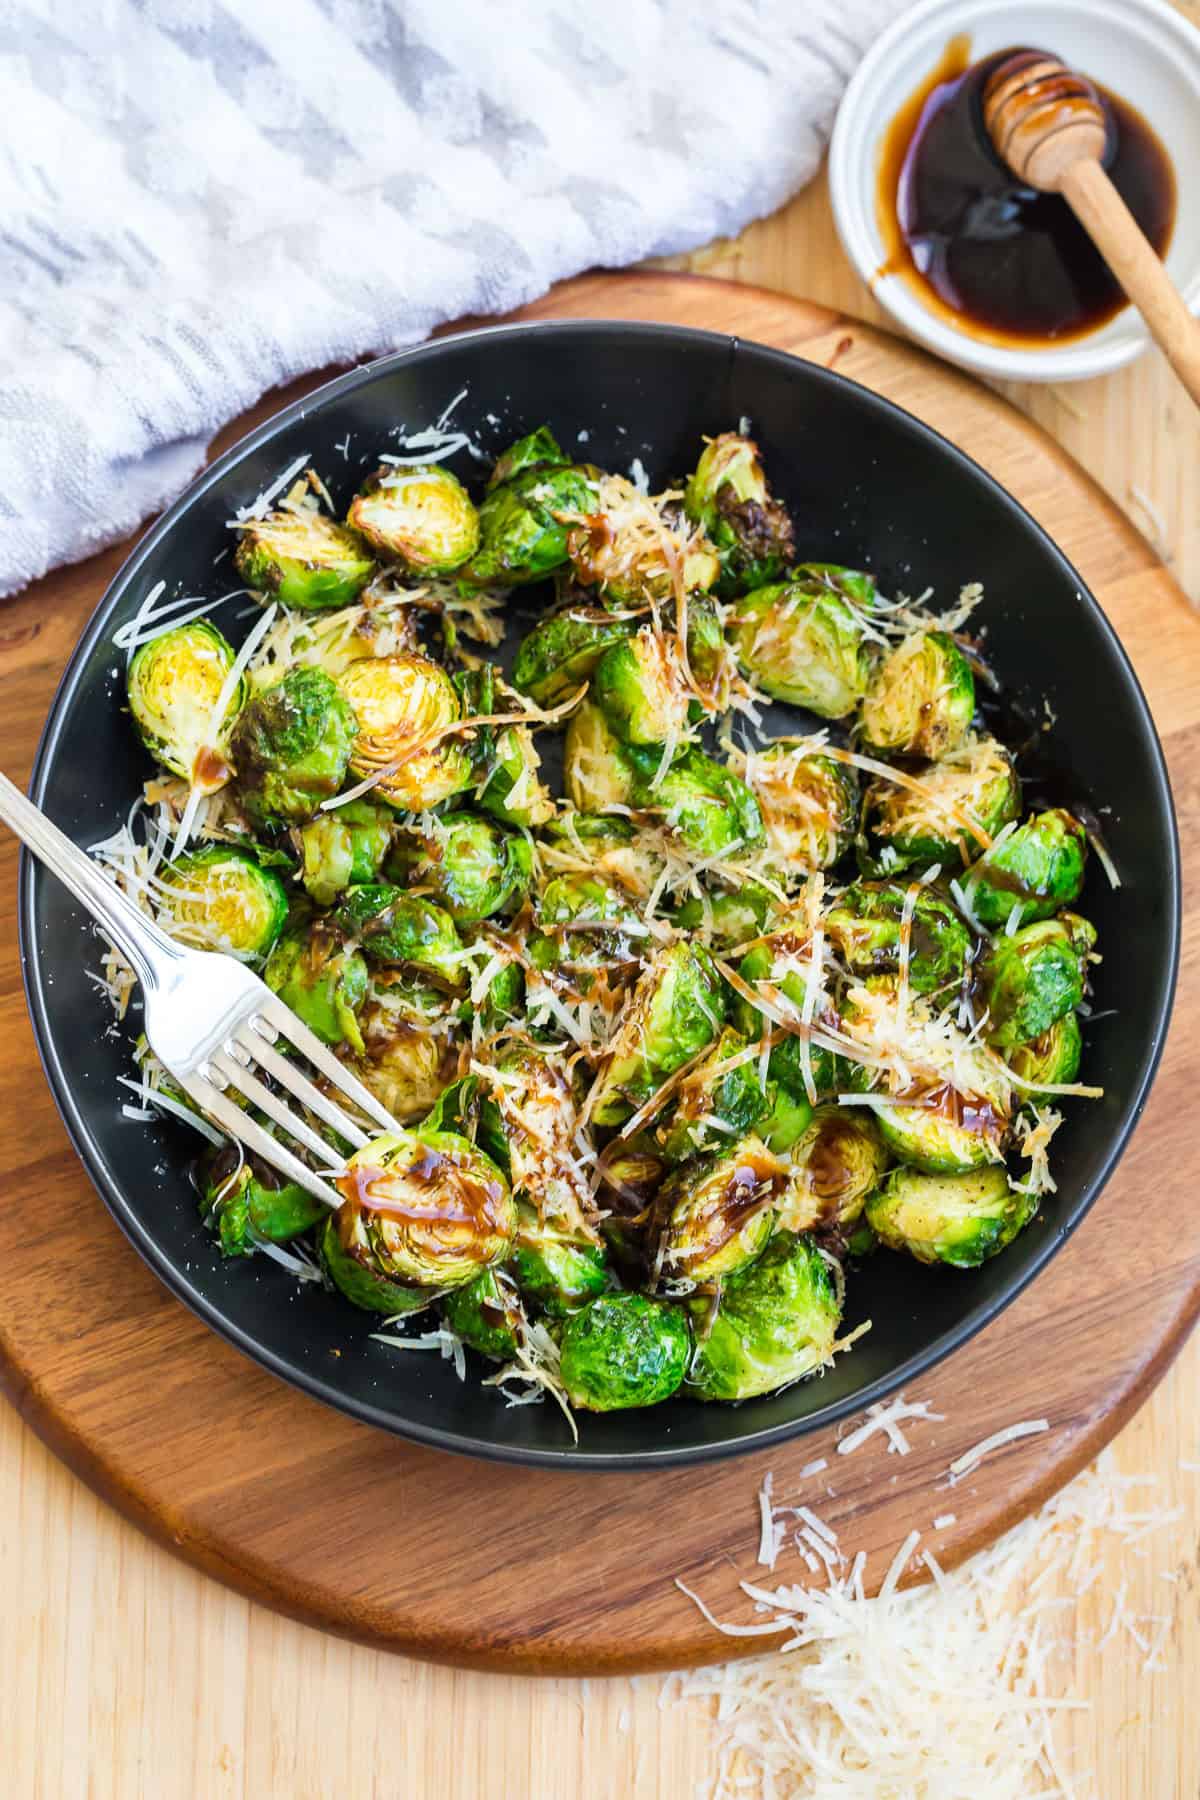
[[149, 950]]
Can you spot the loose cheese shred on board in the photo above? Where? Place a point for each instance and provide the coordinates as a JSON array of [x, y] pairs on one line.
[[886, 1416], [971, 1459]]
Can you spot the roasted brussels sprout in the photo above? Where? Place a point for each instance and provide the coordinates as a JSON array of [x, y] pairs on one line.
[[405, 929], [291, 747], [719, 1101], [174, 684], [728, 497], [677, 1007], [833, 1166], [802, 640], [597, 771], [405, 706], [421, 518], [779, 965], [560, 653], [1028, 980], [218, 898], [470, 866], [633, 549], [957, 1219], [512, 790], [944, 816], [324, 984], [422, 1212], [868, 926], [584, 922], [404, 1066], [786, 1119], [638, 686], [605, 845], [250, 1203], [1034, 870], [556, 1271], [775, 1322], [709, 809], [718, 1211], [306, 561], [524, 524], [624, 1350], [921, 699], [809, 804], [344, 846], [1052, 1058], [708, 654], [726, 919], [486, 1314], [539, 450], [943, 1132]]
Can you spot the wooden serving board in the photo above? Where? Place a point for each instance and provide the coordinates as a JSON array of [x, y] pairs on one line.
[[524, 1569]]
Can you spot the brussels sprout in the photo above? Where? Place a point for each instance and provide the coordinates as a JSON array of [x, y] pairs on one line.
[[421, 518], [512, 790], [1029, 980], [486, 1314], [867, 922], [524, 524], [344, 846], [608, 929], [631, 1175], [404, 706], [597, 771], [503, 1003], [218, 898], [394, 927], [728, 497], [943, 1132], [726, 920], [775, 1322], [1052, 1058], [787, 1117], [638, 686], [970, 791], [422, 1212], [624, 1350], [801, 640], [710, 809], [633, 548], [779, 963], [174, 684], [324, 984], [561, 652], [1081, 932], [1037, 868], [921, 699], [555, 1271], [470, 866], [716, 1104], [306, 561], [405, 1070], [809, 805], [833, 1166], [539, 450], [957, 1219], [605, 845], [718, 1211], [677, 1007], [708, 654], [250, 1202], [292, 748]]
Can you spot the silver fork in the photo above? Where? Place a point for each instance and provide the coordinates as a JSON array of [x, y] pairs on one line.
[[209, 1020]]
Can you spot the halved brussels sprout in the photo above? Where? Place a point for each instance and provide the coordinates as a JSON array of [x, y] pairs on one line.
[[584, 922], [809, 805], [1035, 870], [867, 926], [554, 1270], [677, 1007], [973, 789], [251, 1203], [486, 1314], [638, 686], [422, 1212], [597, 771], [706, 807], [1029, 980], [404, 706], [524, 524], [218, 898], [560, 653], [422, 518], [801, 640], [405, 929], [1052, 1058], [728, 496], [624, 1350], [833, 1166], [512, 790], [470, 866], [174, 684], [606, 845], [342, 847], [779, 965], [404, 1069], [716, 1105], [539, 450], [921, 699], [324, 984], [943, 1132], [957, 1219], [630, 547], [303, 559], [726, 920], [718, 1211], [292, 748], [775, 1322]]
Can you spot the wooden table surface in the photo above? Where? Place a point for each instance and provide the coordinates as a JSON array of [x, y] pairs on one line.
[[127, 1674]]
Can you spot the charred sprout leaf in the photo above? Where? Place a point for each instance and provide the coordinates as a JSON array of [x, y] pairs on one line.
[[956, 1219], [802, 640], [728, 497], [406, 707], [809, 805], [1036, 869], [539, 450], [422, 518], [624, 1350], [486, 1314], [174, 684], [324, 984], [1028, 981], [470, 866], [718, 1211], [639, 687], [403, 929], [708, 654], [524, 523], [834, 1164], [707, 808], [343, 847], [921, 699], [868, 926], [1052, 1058], [561, 651], [676, 1009], [292, 748], [716, 1105], [597, 770], [218, 898], [303, 559], [775, 1322], [972, 793], [556, 1272]]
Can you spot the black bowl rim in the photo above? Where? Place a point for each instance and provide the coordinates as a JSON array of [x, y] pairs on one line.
[[490, 1449]]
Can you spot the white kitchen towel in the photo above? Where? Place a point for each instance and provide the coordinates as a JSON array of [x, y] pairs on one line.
[[200, 200]]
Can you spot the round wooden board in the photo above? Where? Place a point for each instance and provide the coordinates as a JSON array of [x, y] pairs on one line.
[[525, 1570]]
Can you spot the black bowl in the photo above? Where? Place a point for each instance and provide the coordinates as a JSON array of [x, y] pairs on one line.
[[868, 486]]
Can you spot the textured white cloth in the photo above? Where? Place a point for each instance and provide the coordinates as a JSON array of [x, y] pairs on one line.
[[199, 200]]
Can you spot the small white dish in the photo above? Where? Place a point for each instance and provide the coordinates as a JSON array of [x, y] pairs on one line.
[[1143, 50]]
